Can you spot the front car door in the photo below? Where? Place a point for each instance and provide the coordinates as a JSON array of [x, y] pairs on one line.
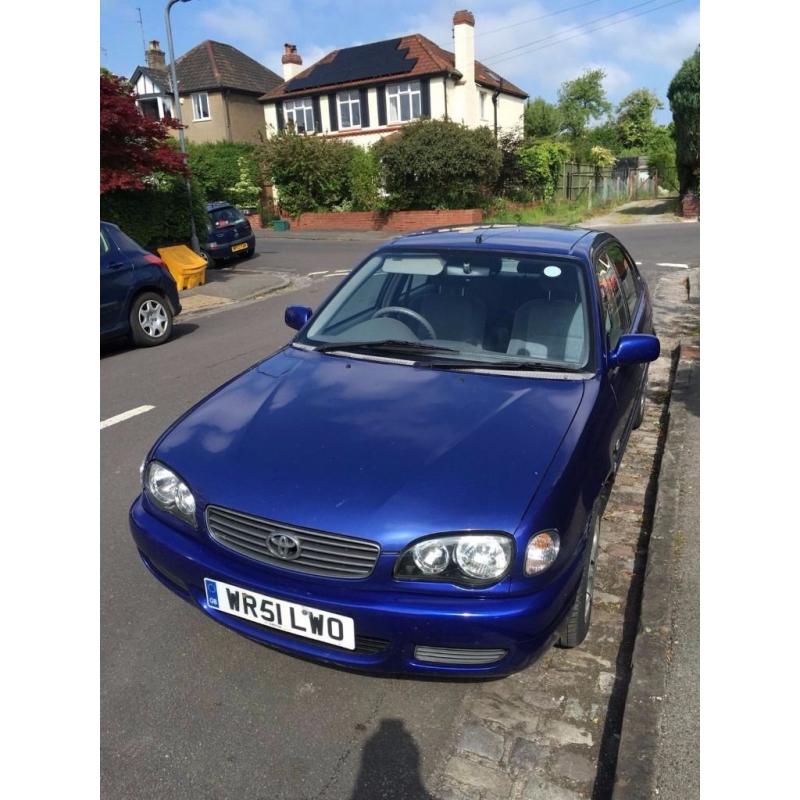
[[616, 317]]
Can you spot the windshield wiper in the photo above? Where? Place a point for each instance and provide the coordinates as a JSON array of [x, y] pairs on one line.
[[531, 366], [388, 345]]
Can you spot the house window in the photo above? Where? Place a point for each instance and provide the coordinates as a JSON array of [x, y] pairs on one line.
[[484, 105], [349, 109], [200, 106], [300, 113], [405, 101]]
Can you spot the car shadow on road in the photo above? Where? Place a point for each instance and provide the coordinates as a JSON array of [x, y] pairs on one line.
[[122, 344], [390, 766], [667, 206]]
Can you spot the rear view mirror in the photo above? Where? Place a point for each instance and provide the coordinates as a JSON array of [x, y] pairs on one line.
[[297, 316], [635, 348]]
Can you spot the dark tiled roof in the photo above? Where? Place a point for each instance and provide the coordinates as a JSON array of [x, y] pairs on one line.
[[159, 77], [430, 59], [214, 65]]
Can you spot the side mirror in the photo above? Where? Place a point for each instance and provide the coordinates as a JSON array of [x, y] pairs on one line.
[[635, 348], [297, 316]]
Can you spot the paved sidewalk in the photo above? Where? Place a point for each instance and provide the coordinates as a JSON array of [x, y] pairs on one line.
[[552, 732], [231, 285], [640, 212], [660, 749]]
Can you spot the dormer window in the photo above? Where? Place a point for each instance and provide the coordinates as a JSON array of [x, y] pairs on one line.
[[404, 101], [300, 114], [349, 109]]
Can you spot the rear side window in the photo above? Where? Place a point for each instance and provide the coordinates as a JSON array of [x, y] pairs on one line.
[[103, 244], [126, 244], [627, 275], [612, 300]]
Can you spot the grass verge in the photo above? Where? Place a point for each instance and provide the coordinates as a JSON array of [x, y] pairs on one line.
[[559, 213]]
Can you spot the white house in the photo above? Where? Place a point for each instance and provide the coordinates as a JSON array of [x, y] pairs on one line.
[[366, 92]]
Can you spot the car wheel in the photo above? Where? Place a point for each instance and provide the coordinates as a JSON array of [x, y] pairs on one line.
[[576, 624], [150, 320], [249, 254], [210, 263], [639, 419]]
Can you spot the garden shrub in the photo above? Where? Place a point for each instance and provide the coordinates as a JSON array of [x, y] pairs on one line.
[[218, 168], [309, 172], [157, 215], [542, 164], [437, 164], [364, 180]]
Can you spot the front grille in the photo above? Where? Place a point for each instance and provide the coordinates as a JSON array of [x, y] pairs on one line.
[[320, 553], [453, 655]]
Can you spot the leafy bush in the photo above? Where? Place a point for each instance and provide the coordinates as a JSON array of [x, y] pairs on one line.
[[158, 215], [684, 101], [542, 164], [218, 167], [245, 193], [436, 164], [310, 173], [512, 180], [364, 180], [661, 158]]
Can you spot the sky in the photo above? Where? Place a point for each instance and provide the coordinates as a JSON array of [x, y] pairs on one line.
[[536, 45]]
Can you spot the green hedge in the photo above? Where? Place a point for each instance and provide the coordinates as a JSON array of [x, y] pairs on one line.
[[217, 169], [157, 217]]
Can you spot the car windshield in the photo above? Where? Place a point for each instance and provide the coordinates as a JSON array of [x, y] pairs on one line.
[[461, 309], [222, 217]]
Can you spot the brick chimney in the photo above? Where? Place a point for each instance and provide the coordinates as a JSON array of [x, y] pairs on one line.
[[464, 44], [292, 63], [155, 56]]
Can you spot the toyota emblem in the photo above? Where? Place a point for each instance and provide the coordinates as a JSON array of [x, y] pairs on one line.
[[283, 545]]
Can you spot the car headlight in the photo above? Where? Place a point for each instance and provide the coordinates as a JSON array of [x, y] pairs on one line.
[[472, 559], [541, 552], [169, 492]]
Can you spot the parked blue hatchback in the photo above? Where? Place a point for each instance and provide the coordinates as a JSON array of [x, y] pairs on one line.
[[138, 295], [415, 483], [230, 235]]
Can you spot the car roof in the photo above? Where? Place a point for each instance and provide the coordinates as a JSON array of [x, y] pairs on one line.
[[218, 204], [550, 239]]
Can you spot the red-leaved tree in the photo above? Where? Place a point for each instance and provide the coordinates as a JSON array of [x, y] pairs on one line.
[[132, 147]]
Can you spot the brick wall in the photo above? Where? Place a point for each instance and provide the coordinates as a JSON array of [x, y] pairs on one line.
[[397, 221], [690, 205]]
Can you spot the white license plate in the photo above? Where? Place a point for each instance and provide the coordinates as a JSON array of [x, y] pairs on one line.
[[282, 615]]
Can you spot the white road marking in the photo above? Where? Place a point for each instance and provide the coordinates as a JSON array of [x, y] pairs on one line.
[[341, 272], [638, 263], [134, 412], [670, 264], [321, 272]]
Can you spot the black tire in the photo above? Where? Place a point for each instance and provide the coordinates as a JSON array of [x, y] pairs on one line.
[[249, 254], [576, 624], [639, 418], [150, 320], [210, 263]]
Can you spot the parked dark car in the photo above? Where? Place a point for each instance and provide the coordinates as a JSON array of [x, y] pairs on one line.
[[138, 296], [415, 483], [229, 234]]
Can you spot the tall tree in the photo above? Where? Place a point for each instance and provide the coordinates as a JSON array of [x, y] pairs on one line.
[[635, 118], [132, 148], [542, 119], [582, 100], [684, 101]]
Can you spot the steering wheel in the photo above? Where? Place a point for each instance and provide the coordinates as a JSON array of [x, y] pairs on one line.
[[382, 312]]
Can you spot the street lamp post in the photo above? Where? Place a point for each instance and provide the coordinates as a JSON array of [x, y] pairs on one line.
[[177, 103]]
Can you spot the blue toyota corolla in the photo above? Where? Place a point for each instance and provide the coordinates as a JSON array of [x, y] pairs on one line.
[[415, 483]]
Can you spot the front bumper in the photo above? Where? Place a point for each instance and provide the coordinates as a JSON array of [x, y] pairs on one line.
[[223, 251], [389, 623]]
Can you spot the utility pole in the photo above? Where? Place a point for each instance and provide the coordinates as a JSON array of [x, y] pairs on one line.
[[176, 98]]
